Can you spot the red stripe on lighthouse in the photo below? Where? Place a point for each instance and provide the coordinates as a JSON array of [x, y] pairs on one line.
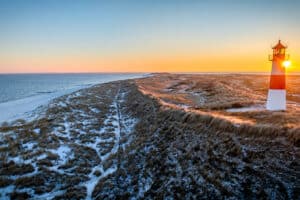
[[277, 82]]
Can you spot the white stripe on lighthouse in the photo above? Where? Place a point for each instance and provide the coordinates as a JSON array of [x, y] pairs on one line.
[[276, 100]]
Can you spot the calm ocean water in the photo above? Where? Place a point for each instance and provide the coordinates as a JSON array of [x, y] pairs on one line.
[[19, 86]]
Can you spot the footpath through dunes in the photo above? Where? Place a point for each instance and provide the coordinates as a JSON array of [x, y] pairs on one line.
[[138, 139], [181, 154], [67, 152]]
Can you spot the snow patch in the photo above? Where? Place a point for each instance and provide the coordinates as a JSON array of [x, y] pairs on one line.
[[29, 145], [95, 110], [6, 191], [64, 152], [247, 109]]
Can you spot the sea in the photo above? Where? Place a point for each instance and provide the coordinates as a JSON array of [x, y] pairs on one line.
[[21, 94]]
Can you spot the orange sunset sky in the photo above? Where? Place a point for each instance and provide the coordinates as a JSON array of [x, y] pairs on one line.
[[146, 36]]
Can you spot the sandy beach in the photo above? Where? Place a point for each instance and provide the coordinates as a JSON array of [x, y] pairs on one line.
[[167, 136]]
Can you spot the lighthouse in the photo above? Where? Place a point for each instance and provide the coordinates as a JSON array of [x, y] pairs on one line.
[[277, 92]]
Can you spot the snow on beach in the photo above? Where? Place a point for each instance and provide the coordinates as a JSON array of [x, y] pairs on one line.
[[87, 131], [112, 141], [29, 108]]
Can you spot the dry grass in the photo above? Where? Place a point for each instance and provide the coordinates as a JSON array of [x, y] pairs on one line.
[[15, 169], [199, 152], [210, 96], [187, 155]]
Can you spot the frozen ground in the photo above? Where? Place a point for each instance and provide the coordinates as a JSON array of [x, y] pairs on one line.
[[69, 148], [248, 109], [235, 97], [28, 108], [148, 139]]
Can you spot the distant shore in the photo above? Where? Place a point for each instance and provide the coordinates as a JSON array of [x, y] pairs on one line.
[[162, 136], [27, 95]]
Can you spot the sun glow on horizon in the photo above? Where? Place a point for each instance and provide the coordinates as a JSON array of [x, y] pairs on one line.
[[144, 36]]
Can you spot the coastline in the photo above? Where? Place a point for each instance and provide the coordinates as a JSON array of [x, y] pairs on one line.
[[150, 137], [29, 108]]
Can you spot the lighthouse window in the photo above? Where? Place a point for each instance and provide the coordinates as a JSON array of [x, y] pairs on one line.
[[282, 51]]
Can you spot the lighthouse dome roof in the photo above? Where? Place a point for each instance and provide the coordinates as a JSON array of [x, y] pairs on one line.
[[279, 45]]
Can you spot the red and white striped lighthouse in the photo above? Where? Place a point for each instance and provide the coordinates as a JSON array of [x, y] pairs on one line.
[[277, 92]]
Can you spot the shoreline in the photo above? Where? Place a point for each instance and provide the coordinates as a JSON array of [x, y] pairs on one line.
[[29, 108], [118, 140]]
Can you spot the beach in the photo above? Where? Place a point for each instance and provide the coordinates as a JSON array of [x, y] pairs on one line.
[[26, 96], [166, 136]]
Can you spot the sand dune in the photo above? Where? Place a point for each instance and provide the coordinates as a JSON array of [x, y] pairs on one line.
[[165, 136]]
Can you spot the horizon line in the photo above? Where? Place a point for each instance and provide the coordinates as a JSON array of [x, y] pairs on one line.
[[153, 72]]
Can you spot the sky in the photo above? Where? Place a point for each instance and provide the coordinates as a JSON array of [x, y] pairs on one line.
[[42, 36]]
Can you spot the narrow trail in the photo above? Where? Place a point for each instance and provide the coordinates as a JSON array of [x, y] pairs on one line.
[[114, 118], [115, 141], [114, 123], [69, 151]]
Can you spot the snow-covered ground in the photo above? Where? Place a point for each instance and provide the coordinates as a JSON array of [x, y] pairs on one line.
[[113, 142], [247, 109], [30, 108], [87, 131]]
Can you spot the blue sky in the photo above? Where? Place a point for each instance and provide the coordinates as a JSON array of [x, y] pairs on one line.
[[105, 31]]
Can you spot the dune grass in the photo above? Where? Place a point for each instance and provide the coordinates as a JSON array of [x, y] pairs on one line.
[[165, 136]]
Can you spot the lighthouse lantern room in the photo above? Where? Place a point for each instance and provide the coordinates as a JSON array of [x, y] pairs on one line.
[[277, 90]]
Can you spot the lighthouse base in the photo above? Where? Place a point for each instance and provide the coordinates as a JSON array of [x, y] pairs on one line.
[[276, 100]]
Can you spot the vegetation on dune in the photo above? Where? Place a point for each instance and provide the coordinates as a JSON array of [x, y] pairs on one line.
[[213, 95], [188, 155], [164, 140]]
